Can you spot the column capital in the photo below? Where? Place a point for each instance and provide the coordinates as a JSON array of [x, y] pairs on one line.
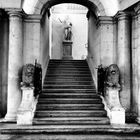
[[121, 15], [15, 12]]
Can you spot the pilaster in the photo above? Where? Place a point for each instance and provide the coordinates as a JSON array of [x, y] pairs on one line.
[[105, 25]]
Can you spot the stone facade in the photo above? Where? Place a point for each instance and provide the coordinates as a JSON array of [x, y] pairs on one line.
[[111, 39]]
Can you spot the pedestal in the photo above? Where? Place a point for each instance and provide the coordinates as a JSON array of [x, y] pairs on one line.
[[115, 111], [27, 107], [67, 50]]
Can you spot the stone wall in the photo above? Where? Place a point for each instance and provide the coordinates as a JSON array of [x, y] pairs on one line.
[[4, 42], [101, 42], [107, 47], [44, 43], [135, 62], [94, 37], [32, 48]]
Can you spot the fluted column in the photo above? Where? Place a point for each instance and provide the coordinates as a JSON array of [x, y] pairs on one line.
[[14, 64], [123, 58]]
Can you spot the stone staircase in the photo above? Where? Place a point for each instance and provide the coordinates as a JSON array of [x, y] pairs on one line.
[[69, 96]]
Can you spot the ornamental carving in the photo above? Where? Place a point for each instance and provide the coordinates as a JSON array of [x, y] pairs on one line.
[[28, 75]]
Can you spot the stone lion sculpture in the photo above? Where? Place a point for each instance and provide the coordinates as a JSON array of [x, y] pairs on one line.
[[112, 76], [28, 75]]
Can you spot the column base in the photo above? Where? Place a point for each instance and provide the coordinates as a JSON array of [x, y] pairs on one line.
[[10, 117]]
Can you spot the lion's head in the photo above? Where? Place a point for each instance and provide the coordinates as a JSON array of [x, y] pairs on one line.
[[28, 75], [112, 75]]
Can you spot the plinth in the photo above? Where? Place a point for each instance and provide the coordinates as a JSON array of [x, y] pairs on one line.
[[67, 50]]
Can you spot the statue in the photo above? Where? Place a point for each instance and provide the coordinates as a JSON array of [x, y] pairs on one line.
[[115, 110], [28, 75], [68, 32], [112, 76]]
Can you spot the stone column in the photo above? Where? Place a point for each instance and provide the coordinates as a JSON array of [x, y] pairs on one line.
[[123, 58], [137, 10], [15, 64]]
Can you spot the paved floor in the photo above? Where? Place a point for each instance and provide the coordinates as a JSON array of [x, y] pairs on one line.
[[11, 131], [68, 137]]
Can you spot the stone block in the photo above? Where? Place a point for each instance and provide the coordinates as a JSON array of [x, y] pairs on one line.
[[27, 107], [117, 116], [115, 111]]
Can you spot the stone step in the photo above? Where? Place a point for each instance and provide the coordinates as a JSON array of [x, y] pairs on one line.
[[71, 121], [68, 72], [70, 106], [75, 113], [69, 95], [68, 90], [62, 79], [68, 83], [68, 69], [69, 101], [69, 75], [66, 61], [71, 132], [69, 66], [68, 87]]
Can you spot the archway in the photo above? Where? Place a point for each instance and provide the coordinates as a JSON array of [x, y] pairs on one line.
[[61, 16]]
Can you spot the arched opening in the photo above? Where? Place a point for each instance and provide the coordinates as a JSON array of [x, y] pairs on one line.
[[61, 16], [55, 15]]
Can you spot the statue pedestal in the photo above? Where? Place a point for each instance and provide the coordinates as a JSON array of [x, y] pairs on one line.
[[67, 50], [27, 107], [115, 111]]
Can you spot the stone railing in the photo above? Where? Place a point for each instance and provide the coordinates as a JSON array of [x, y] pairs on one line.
[[31, 87], [108, 88]]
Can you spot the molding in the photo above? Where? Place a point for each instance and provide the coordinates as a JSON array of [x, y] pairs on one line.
[[104, 20], [121, 15], [14, 12], [33, 18]]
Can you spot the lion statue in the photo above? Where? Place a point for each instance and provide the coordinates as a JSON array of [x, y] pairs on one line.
[[28, 75], [112, 76]]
